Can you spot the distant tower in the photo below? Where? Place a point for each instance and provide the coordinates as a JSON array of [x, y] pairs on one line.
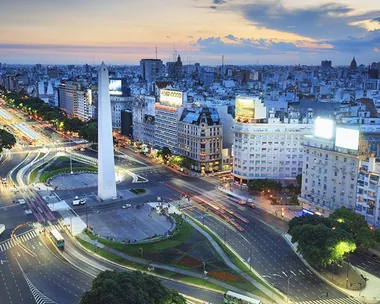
[[353, 65], [106, 161]]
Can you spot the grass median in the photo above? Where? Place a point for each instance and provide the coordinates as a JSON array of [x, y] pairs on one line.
[[234, 259], [161, 272]]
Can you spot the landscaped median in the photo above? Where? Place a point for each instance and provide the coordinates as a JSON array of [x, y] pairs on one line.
[[57, 166], [185, 256], [263, 286]]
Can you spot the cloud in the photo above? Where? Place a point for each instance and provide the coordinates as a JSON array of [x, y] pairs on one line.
[[213, 6], [219, 1], [377, 19], [331, 20], [371, 41], [216, 45]]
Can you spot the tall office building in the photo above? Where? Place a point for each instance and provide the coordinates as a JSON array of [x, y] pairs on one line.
[[143, 115], [168, 112], [151, 69], [267, 148]]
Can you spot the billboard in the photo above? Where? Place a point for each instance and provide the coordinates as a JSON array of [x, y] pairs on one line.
[[323, 128], [171, 97], [347, 138], [115, 87], [250, 108]]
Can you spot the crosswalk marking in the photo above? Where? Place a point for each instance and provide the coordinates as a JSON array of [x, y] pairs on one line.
[[8, 244], [332, 301]]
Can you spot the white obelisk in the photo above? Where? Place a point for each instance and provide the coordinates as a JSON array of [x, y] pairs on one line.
[[106, 161]]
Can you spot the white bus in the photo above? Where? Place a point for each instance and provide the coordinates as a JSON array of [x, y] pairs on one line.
[[231, 297], [238, 198]]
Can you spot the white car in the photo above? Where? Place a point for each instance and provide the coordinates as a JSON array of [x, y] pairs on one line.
[[126, 206]]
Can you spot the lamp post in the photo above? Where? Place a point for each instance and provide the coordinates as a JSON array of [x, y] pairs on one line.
[[142, 253], [161, 183], [204, 268]]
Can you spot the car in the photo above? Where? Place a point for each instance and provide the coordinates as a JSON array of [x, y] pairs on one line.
[[126, 206]]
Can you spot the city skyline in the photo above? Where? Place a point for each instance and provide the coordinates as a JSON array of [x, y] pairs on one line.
[[265, 32]]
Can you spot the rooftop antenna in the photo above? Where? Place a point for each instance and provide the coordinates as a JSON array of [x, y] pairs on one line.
[[156, 52], [174, 53]]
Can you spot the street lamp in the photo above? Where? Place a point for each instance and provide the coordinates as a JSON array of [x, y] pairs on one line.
[[161, 183], [142, 253], [204, 268]]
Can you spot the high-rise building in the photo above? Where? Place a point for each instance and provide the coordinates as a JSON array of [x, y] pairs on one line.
[[168, 112], [75, 101], [200, 136], [267, 148], [151, 69], [326, 64]]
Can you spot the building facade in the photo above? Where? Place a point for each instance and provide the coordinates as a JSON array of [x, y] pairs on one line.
[[368, 191], [119, 104], [200, 137], [168, 112], [329, 176], [151, 69], [143, 115], [267, 148], [75, 101]]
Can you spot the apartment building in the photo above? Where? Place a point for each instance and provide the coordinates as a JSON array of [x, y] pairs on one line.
[[368, 191], [200, 137], [267, 147]]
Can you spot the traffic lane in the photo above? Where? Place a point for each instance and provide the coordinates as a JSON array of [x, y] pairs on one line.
[[195, 292], [15, 288], [98, 263], [53, 277], [13, 216], [366, 263], [273, 259]]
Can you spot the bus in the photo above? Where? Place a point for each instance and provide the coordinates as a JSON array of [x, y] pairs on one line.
[[238, 198], [231, 297], [57, 238]]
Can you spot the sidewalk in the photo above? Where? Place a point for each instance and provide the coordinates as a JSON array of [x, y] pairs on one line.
[[370, 294]]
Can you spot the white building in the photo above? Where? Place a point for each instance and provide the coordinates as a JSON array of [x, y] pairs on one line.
[[368, 192], [267, 147], [330, 169], [76, 101], [168, 112], [118, 104]]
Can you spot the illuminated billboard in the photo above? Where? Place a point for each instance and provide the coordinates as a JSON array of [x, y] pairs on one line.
[[249, 108], [115, 87], [347, 138], [171, 97], [323, 128]]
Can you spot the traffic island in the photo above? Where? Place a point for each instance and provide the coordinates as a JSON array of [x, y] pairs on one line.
[[185, 252]]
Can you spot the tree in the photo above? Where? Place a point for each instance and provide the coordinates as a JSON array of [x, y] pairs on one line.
[[353, 223], [73, 124], [135, 287], [264, 184], [165, 153], [322, 246], [90, 132], [7, 140], [296, 223]]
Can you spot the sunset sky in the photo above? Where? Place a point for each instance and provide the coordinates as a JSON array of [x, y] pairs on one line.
[[244, 31]]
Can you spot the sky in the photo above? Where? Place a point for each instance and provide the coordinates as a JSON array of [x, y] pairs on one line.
[[243, 31]]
